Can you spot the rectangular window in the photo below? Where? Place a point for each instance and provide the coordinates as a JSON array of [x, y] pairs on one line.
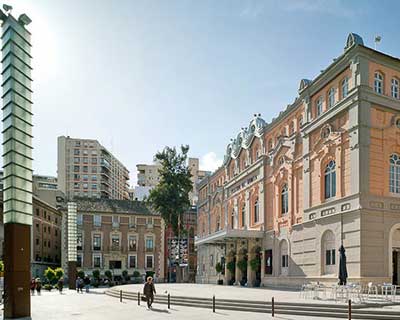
[[94, 186], [96, 261], [97, 220], [85, 160], [76, 160], [85, 185], [79, 260], [79, 219], [79, 241], [115, 221], [97, 242], [149, 243], [85, 177], [94, 169], [132, 262], [77, 176], [85, 152], [132, 222], [149, 261], [330, 257], [76, 152], [132, 242], [77, 143], [285, 261], [150, 221], [85, 168], [211, 260], [94, 178], [115, 242], [37, 242], [94, 160], [76, 168]]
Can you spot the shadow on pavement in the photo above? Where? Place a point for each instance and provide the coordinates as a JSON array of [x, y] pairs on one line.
[[159, 310]]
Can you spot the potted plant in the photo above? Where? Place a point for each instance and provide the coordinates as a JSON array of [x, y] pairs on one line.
[[1, 268], [231, 267], [242, 265], [218, 268], [255, 266], [96, 278], [136, 277], [108, 275], [125, 276]]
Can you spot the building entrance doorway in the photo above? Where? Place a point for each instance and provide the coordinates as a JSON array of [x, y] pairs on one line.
[[395, 266]]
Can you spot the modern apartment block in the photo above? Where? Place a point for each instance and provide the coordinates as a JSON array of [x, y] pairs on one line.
[[323, 174], [148, 176], [46, 189], [118, 235], [87, 169]]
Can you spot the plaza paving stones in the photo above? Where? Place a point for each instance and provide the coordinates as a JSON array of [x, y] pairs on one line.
[[97, 305]]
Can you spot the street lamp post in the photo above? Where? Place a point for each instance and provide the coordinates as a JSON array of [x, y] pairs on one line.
[[17, 162]]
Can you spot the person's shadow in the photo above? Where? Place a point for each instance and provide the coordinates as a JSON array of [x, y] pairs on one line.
[[159, 310]]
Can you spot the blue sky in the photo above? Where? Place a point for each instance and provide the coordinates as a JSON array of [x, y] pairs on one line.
[[140, 75]]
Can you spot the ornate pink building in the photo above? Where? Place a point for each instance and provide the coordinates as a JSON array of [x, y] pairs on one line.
[[325, 172]]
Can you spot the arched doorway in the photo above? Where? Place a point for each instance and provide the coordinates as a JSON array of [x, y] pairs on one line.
[[394, 254]]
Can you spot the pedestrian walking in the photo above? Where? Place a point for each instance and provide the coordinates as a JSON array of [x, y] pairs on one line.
[[81, 284], [149, 290], [60, 284], [77, 284], [33, 286], [87, 283], [38, 285]]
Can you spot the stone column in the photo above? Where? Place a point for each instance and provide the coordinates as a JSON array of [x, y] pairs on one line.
[[262, 264], [238, 273], [72, 253], [17, 164], [251, 275]]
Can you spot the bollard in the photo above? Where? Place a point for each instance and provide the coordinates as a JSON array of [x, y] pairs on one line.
[[120, 296], [169, 301], [273, 307], [349, 309], [138, 298], [213, 303]]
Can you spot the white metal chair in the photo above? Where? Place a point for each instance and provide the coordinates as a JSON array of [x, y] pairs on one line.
[[372, 290]]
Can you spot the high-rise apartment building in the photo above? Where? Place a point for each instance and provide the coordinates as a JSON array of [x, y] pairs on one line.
[[148, 176], [87, 169]]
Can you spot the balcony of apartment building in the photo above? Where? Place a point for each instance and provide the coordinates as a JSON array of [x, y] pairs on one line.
[[105, 165]]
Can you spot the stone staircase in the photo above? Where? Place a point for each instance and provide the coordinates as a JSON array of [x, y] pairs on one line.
[[281, 308]]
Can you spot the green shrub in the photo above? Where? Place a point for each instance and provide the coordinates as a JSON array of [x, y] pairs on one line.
[[150, 274], [50, 275], [59, 273], [242, 265], [81, 274], [218, 267], [255, 264], [125, 275], [96, 274], [108, 274], [136, 274], [231, 266], [1, 266]]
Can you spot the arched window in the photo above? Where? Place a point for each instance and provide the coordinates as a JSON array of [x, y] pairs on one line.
[[395, 88], [345, 87], [243, 215], [378, 82], [394, 174], [319, 107], [291, 128], [328, 252], [330, 180], [284, 199], [284, 250], [256, 212], [233, 219], [331, 97]]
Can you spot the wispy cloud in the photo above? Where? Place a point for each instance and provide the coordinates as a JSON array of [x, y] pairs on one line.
[[210, 162]]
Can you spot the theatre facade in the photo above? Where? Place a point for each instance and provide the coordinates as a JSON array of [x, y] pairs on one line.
[[324, 173]]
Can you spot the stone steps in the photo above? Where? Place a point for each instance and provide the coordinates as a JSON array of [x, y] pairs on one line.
[[287, 308]]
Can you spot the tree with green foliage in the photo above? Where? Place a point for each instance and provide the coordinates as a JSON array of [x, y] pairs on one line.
[[218, 268], [255, 263], [96, 274], [242, 265], [50, 275], [171, 196], [231, 266]]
